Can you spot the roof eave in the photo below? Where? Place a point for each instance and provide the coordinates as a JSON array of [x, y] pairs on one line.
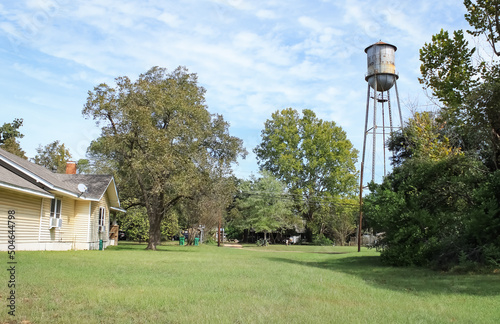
[[115, 192], [26, 172], [118, 209], [26, 190]]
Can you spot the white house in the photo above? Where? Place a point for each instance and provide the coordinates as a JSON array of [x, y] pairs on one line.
[[50, 211]]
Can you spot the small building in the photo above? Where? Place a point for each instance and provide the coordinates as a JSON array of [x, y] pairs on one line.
[[51, 211]]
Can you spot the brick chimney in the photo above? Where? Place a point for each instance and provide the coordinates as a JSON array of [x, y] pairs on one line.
[[71, 167]]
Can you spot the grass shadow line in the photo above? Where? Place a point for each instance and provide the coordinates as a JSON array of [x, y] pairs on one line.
[[411, 280]]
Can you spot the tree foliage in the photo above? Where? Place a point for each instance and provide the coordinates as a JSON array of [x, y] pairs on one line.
[[483, 16], [209, 203], [468, 88], [311, 156], [423, 137], [135, 224], [447, 67], [53, 156], [264, 206], [9, 135], [159, 135], [430, 211], [336, 219]]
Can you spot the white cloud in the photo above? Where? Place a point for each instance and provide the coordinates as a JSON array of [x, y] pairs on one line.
[[310, 23], [170, 19], [266, 14], [43, 75], [237, 4], [253, 57]]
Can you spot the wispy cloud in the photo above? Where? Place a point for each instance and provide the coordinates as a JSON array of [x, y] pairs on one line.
[[253, 57]]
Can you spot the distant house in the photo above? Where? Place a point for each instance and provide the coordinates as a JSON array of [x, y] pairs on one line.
[[54, 211]]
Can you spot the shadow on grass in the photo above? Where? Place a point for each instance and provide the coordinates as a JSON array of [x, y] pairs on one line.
[[135, 246], [411, 280]]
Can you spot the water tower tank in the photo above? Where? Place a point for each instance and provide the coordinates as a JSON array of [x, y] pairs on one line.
[[381, 66]]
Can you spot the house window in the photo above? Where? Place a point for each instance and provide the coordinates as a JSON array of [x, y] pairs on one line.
[[55, 220], [55, 208], [102, 219]]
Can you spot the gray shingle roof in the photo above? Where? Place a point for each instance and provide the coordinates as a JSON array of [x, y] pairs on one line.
[[96, 184], [11, 179]]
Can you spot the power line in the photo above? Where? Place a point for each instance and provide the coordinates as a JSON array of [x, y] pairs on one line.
[[323, 201]]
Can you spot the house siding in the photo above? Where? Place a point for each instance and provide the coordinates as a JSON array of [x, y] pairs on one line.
[[95, 235], [27, 217], [57, 238], [81, 224]]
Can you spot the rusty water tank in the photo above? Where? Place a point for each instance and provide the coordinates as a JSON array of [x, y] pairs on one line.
[[381, 66]]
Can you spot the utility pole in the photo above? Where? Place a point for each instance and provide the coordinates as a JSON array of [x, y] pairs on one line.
[[360, 208], [218, 234]]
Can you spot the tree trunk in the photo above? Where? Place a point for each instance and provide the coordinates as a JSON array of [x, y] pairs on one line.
[[309, 216], [309, 234], [154, 232], [245, 236]]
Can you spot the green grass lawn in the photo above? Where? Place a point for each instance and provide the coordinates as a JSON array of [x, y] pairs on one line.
[[274, 284]]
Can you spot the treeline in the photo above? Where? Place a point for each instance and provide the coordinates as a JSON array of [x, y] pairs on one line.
[[172, 161], [440, 207]]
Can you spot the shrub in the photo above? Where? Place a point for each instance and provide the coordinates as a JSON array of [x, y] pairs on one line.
[[322, 240], [443, 214]]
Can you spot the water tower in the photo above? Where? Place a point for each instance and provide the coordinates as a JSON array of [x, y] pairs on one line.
[[381, 78]]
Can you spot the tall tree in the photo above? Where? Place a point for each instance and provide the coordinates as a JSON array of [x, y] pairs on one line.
[[313, 157], [9, 133], [159, 134], [337, 219], [468, 87], [265, 205], [53, 156], [209, 203]]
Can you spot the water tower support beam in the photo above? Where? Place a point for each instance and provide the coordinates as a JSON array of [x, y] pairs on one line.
[[375, 102], [383, 129], [391, 127], [399, 106]]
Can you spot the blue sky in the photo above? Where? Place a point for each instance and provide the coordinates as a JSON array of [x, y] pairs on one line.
[[253, 58]]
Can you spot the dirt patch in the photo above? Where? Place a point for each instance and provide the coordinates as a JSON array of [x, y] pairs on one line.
[[233, 245]]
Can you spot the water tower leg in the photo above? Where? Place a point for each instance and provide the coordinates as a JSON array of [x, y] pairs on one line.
[[374, 130], [399, 106], [383, 129], [389, 107]]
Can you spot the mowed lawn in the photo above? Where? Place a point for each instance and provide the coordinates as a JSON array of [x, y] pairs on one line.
[[275, 284]]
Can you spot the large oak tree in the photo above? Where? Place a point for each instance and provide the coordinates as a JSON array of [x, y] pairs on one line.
[[159, 135]]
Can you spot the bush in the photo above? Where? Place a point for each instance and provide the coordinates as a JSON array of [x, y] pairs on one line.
[[443, 214], [210, 241], [262, 242], [135, 224], [321, 240]]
